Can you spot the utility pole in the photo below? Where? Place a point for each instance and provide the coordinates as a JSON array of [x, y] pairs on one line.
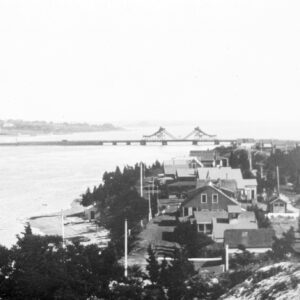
[[126, 250], [141, 179], [62, 229], [226, 258], [150, 210], [278, 180], [250, 159]]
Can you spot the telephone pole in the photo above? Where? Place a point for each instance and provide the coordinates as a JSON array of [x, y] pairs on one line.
[[126, 250], [141, 179], [150, 210], [62, 229], [278, 180]]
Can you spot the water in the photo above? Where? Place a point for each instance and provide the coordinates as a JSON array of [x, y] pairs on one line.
[[39, 180]]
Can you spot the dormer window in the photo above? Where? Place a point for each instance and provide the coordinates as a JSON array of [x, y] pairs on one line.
[[203, 198]]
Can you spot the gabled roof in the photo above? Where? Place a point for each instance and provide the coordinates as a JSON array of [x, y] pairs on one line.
[[171, 166], [197, 191], [280, 197], [206, 155], [225, 173], [215, 173], [250, 238], [226, 184], [207, 216]]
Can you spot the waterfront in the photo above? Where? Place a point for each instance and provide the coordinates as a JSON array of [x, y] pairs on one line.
[[42, 180]]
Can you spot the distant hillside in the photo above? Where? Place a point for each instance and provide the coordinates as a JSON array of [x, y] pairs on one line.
[[280, 281], [13, 127]]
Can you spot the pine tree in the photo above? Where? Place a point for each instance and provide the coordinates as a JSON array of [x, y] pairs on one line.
[[153, 266]]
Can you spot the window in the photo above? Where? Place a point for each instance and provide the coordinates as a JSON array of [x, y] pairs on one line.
[[208, 228], [215, 198], [203, 198], [201, 227], [194, 209], [185, 211], [244, 234]]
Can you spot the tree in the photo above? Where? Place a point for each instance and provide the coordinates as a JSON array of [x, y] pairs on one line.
[[38, 267], [179, 271], [242, 259], [153, 266], [194, 243], [262, 220], [282, 247]]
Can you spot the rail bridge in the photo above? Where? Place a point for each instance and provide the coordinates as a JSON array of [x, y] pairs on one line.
[[161, 136]]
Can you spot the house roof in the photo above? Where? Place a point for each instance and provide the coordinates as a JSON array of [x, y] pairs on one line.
[[225, 173], [234, 209], [250, 182], [244, 221], [186, 172], [207, 216], [169, 169], [171, 166], [206, 155], [280, 197], [247, 215], [250, 238], [197, 191], [227, 184], [183, 184]]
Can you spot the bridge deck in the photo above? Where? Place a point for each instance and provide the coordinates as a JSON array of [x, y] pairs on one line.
[[113, 142]]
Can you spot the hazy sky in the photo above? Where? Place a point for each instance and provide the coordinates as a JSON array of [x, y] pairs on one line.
[[106, 60]]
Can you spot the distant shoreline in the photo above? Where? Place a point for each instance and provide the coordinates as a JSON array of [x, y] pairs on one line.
[[16, 133], [20, 127]]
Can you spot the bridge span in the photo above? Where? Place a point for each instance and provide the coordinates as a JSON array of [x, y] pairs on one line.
[[127, 142], [161, 136]]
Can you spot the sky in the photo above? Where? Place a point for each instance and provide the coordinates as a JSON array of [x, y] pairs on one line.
[[133, 60]]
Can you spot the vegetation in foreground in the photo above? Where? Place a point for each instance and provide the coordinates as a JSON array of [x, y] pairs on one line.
[[41, 267]]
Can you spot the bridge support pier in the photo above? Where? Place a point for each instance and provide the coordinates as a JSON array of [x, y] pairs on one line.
[[101, 143], [143, 143], [195, 142], [128, 143], [164, 143], [217, 142], [114, 143]]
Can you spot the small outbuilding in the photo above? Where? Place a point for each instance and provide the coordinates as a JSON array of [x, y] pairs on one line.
[[91, 213], [278, 205]]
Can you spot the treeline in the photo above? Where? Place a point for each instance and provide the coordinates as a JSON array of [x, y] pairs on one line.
[[117, 199], [287, 161], [41, 267]]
